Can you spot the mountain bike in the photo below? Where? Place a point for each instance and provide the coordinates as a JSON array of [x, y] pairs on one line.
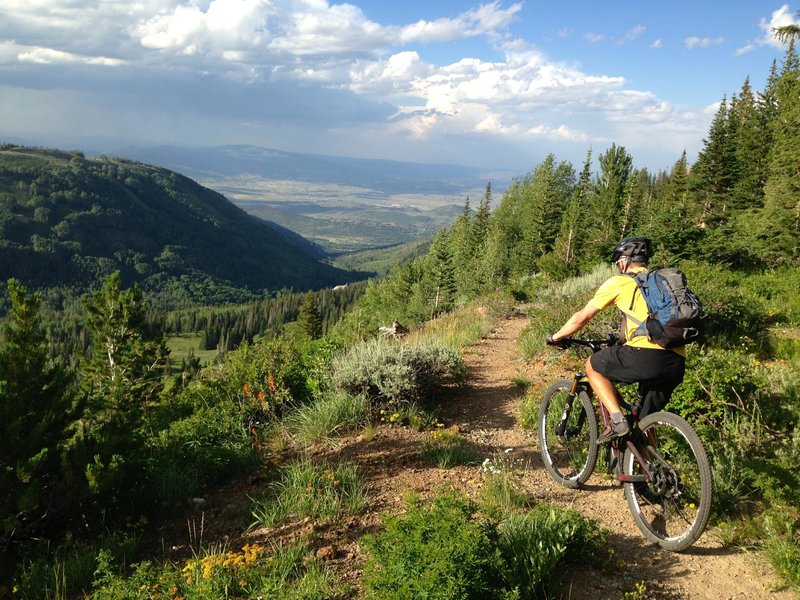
[[661, 462]]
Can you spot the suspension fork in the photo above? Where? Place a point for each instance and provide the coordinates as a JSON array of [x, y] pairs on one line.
[[561, 428]]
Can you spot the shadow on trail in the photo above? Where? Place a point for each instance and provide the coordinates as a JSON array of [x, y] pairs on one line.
[[482, 407]]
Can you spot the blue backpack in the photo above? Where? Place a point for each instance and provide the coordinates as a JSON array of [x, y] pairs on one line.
[[674, 311]]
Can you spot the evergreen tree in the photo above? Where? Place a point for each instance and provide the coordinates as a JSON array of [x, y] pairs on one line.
[[121, 376], [568, 246], [480, 224], [671, 226], [438, 285], [35, 404], [462, 249], [607, 201], [715, 171], [309, 318], [778, 224], [752, 147]]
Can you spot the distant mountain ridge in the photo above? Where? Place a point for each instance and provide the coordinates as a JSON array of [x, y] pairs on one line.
[[68, 220], [387, 176]]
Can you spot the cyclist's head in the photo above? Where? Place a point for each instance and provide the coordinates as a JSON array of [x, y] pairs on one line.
[[635, 249]]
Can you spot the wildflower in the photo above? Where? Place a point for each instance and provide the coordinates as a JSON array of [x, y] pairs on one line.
[[271, 381], [247, 389]]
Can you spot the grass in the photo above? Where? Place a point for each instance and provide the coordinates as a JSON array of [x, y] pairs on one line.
[[310, 490], [501, 493], [283, 572], [329, 416], [465, 325], [447, 449], [181, 345]]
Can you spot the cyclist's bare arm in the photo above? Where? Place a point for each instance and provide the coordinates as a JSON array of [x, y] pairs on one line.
[[576, 322]]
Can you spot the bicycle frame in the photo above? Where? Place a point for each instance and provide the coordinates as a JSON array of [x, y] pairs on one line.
[[580, 379]]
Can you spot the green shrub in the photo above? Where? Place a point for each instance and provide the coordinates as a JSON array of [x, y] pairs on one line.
[[447, 449], [310, 490], [782, 528], [316, 358], [446, 549], [389, 373], [439, 550], [717, 380], [256, 571], [533, 544], [778, 289], [68, 571], [210, 444], [529, 410], [735, 318], [261, 377], [331, 414]]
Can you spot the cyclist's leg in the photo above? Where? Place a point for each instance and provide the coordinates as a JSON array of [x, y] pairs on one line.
[[658, 390], [603, 388]]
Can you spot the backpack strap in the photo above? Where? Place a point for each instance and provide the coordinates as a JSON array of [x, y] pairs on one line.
[[640, 285]]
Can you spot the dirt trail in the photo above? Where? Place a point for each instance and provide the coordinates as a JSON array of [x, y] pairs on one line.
[[486, 412]]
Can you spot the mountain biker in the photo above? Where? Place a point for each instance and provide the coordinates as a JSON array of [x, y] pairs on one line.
[[657, 371]]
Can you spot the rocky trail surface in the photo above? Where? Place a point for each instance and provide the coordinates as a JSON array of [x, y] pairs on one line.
[[486, 413]]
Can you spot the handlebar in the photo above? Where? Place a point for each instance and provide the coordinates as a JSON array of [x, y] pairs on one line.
[[594, 345]]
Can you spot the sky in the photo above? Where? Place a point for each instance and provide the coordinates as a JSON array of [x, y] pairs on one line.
[[496, 84]]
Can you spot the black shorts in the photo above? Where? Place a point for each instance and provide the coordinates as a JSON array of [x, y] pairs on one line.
[[658, 372]]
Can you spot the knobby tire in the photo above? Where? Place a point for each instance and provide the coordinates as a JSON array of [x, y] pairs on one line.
[[672, 510], [568, 457]]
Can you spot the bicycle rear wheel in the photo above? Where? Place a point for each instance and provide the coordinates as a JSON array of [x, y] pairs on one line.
[[568, 434], [673, 507]]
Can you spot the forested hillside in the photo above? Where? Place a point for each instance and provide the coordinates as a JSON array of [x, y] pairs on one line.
[[68, 221], [94, 451]]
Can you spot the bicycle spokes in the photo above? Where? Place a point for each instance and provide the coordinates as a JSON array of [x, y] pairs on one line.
[[669, 492], [567, 430]]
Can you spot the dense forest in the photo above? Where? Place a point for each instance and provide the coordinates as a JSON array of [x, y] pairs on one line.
[[89, 443], [68, 221]]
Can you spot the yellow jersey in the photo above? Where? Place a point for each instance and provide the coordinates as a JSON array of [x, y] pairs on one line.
[[622, 292]]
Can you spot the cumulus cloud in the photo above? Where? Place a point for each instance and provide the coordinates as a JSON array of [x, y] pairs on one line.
[[657, 44], [254, 66], [779, 18]]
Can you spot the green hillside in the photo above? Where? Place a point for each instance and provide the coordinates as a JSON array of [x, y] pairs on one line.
[[67, 221]]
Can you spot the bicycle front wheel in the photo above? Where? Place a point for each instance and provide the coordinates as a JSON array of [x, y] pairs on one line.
[[672, 507], [568, 434]]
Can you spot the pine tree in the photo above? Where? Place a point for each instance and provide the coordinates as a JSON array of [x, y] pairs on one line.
[[122, 375], [309, 318], [607, 200], [778, 224], [461, 248], [715, 171], [568, 246], [35, 404], [671, 225], [752, 147], [438, 285]]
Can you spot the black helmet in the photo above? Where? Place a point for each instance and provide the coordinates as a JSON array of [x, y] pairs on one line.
[[637, 249]]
